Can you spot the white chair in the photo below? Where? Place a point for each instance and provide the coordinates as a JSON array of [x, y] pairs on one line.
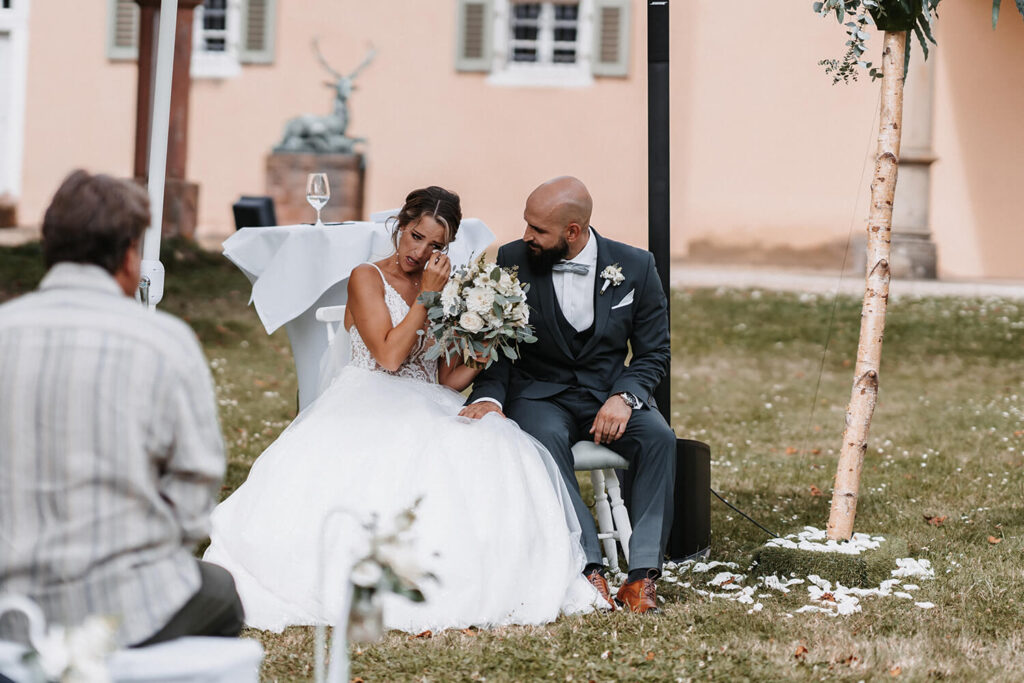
[[334, 316], [184, 660], [613, 523], [339, 345]]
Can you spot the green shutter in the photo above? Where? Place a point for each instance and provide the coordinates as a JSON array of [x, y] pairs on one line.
[[611, 38], [258, 22], [122, 29], [473, 32]]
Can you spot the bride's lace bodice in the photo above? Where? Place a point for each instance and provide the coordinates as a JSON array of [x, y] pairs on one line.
[[415, 366]]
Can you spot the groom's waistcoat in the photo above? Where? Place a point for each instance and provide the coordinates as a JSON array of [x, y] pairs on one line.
[[632, 315]]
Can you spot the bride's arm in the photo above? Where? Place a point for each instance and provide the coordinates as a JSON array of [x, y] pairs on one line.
[[456, 374], [390, 345]]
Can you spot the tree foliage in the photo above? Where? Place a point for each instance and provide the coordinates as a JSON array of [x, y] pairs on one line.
[[886, 15]]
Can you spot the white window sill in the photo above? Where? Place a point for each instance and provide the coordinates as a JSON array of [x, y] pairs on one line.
[[542, 76], [215, 66]]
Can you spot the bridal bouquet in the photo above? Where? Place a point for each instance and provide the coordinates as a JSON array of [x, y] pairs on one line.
[[481, 311]]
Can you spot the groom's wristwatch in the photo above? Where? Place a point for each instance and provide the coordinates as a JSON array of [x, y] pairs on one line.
[[631, 400]]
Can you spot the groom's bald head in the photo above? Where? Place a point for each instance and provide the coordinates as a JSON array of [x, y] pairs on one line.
[[564, 199], [557, 216]]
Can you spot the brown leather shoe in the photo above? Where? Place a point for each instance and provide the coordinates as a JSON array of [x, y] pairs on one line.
[[601, 584], [639, 596]]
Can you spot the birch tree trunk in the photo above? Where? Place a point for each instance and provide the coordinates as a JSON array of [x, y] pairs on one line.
[[876, 292]]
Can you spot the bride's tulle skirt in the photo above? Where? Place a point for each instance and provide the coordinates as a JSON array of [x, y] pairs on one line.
[[494, 524]]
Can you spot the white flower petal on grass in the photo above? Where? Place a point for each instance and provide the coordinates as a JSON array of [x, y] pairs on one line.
[[924, 605], [901, 594], [909, 566]]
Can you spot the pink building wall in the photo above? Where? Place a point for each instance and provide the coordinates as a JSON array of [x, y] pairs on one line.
[[765, 151]]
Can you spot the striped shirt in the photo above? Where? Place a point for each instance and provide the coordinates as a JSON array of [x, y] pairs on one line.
[[110, 454]]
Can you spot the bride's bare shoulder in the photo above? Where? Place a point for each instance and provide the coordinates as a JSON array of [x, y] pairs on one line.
[[365, 279]]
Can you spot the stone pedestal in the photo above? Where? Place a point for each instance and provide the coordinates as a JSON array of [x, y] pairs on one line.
[[286, 184]]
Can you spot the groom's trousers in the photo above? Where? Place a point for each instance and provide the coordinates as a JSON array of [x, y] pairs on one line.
[[648, 443]]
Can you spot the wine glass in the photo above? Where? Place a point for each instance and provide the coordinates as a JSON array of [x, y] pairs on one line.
[[318, 191]]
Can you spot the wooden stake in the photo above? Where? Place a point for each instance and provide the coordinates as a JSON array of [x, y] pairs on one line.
[[876, 292]]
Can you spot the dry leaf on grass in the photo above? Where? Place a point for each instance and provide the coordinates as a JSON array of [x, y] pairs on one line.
[[815, 491], [424, 635], [993, 540], [828, 597], [800, 652], [650, 656], [935, 520], [467, 631], [895, 671], [790, 450]]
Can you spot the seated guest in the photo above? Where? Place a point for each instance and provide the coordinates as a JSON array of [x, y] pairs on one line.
[[110, 450]]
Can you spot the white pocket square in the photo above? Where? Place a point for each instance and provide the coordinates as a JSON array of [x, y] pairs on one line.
[[626, 300]]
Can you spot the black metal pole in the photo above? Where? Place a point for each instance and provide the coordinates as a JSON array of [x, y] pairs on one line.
[[658, 209]]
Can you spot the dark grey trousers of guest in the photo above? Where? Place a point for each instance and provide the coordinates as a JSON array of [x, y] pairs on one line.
[[215, 609], [648, 444]]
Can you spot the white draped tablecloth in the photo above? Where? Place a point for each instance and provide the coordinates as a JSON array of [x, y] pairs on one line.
[[296, 269]]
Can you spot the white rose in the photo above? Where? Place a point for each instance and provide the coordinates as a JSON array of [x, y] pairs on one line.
[[505, 284], [471, 322], [521, 313], [479, 299], [450, 298]]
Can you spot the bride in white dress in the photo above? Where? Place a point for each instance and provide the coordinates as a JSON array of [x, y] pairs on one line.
[[494, 525]]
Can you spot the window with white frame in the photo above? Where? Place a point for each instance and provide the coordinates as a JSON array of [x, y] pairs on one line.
[[226, 34], [216, 35], [560, 43]]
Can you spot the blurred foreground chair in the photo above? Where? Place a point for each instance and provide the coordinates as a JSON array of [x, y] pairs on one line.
[[254, 212], [613, 525], [184, 660]]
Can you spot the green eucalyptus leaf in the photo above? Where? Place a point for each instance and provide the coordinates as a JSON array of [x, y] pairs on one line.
[[921, 39]]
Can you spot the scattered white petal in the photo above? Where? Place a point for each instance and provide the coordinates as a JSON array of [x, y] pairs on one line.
[[924, 605]]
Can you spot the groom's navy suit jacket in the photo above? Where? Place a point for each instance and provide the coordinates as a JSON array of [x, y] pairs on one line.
[[550, 365]]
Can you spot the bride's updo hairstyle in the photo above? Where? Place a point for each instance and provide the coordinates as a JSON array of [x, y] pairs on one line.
[[436, 202]]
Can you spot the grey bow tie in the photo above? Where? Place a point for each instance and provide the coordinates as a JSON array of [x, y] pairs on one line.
[[570, 267]]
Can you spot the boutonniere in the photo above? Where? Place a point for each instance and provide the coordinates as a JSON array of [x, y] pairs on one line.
[[612, 275]]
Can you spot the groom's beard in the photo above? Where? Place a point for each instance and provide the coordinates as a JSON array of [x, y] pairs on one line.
[[541, 260]]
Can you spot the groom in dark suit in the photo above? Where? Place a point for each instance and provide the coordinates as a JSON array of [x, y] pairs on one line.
[[592, 302]]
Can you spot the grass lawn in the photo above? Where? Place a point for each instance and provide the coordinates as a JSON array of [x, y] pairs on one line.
[[946, 443]]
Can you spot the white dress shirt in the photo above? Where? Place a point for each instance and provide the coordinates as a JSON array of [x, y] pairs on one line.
[[575, 293], [110, 454]]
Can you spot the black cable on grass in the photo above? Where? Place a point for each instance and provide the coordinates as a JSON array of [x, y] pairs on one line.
[[745, 515]]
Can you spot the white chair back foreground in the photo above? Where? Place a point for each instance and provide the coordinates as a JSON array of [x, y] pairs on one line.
[[184, 660], [613, 523], [190, 660]]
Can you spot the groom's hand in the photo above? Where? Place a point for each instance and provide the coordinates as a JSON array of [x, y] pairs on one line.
[[478, 410], [610, 422]]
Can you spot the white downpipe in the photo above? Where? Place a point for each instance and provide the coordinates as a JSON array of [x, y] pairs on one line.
[[158, 134]]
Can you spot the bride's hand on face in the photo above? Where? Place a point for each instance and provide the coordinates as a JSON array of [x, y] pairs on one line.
[[435, 273]]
